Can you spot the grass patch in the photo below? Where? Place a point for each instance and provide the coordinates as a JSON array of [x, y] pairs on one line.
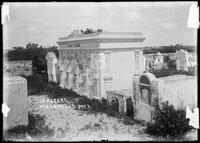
[[171, 72], [37, 85], [35, 128]]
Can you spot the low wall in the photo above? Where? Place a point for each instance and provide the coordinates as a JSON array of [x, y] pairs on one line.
[[179, 90]]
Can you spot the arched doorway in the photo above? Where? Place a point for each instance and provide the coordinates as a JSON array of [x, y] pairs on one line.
[[115, 104], [129, 108]]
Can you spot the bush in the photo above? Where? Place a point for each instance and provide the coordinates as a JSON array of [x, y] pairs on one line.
[[96, 105], [36, 83], [169, 72], [168, 121]]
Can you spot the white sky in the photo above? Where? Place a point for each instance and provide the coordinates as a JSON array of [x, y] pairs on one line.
[[162, 23]]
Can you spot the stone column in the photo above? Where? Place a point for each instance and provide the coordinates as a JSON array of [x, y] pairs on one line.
[[49, 67], [54, 62], [124, 98], [107, 76], [136, 94], [95, 67]]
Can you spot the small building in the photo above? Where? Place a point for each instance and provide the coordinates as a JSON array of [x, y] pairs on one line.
[[121, 101]]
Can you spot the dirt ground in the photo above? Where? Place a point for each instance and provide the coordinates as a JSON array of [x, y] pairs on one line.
[[70, 124], [75, 125]]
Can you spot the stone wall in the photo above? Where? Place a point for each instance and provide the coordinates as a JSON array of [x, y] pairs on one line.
[[122, 69], [179, 90], [85, 71]]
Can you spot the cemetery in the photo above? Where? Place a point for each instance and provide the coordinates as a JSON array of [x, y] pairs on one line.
[[86, 62], [107, 71]]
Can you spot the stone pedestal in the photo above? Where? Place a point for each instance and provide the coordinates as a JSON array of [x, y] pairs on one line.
[[15, 96]]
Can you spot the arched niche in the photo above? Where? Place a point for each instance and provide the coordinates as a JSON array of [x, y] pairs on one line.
[[145, 81], [115, 104]]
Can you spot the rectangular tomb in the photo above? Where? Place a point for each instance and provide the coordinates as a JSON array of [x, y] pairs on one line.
[[101, 61]]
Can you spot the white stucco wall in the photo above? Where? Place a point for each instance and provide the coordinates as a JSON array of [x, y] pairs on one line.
[[122, 69], [181, 91]]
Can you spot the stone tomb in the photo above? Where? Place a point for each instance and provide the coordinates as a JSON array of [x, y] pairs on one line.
[[178, 90], [121, 101], [15, 96], [158, 61], [92, 64], [182, 60], [143, 93]]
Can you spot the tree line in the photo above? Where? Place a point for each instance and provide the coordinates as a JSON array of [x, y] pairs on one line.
[[30, 51], [169, 49]]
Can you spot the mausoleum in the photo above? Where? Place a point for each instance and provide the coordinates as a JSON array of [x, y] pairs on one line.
[[95, 63]]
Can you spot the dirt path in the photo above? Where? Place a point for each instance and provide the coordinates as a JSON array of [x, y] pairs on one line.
[[70, 124]]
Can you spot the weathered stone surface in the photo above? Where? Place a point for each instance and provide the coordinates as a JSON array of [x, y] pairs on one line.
[[178, 90], [15, 96], [121, 96], [182, 60], [51, 66], [94, 57]]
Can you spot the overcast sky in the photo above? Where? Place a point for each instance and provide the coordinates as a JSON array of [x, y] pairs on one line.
[[42, 23]]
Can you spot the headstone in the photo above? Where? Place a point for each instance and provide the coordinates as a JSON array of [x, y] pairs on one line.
[[143, 93], [51, 66], [182, 60], [158, 61], [15, 97]]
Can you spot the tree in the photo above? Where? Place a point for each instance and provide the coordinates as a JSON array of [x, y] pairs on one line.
[[17, 48], [89, 31], [31, 45], [99, 30]]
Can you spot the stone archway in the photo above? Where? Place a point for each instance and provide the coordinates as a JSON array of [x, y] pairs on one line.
[[144, 87]]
